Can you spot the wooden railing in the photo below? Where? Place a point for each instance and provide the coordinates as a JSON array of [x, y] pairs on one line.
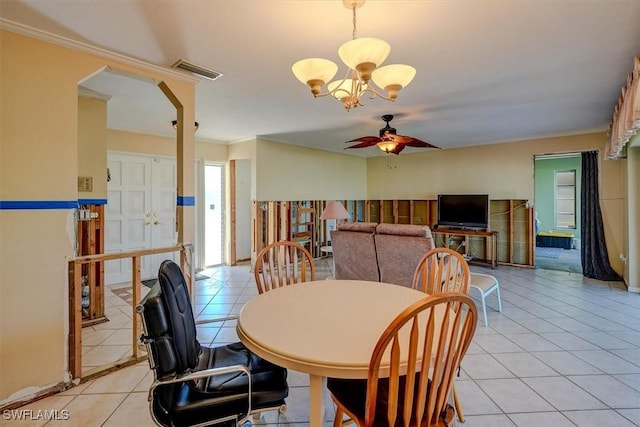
[[75, 301]]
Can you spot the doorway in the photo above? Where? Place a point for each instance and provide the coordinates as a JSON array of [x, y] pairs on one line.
[[140, 213], [213, 214], [557, 203]]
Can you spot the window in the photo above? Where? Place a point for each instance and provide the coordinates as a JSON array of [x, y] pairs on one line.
[[565, 193]]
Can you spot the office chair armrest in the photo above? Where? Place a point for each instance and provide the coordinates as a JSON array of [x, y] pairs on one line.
[[217, 319], [205, 373]]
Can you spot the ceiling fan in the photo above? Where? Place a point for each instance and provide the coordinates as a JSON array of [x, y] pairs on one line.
[[389, 141]]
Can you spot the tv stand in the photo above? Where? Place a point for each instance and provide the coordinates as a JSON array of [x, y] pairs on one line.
[[490, 237]]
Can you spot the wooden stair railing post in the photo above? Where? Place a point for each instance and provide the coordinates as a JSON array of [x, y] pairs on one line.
[[75, 318], [136, 291]]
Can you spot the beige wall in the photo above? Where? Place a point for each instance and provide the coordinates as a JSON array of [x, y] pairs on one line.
[[286, 172], [39, 162], [504, 171], [245, 151], [92, 145], [131, 142]]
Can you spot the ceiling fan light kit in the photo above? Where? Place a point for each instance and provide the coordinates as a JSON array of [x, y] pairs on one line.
[[362, 56], [387, 146]]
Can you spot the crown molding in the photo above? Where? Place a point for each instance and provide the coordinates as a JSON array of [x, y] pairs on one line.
[[48, 37], [88, 93]]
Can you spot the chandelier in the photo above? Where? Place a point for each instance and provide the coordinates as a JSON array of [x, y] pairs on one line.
[[362, 56]]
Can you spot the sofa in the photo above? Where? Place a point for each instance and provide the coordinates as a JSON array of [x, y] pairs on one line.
[[379, 252]]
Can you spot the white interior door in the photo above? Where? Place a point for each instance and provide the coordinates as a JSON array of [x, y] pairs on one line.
[[163, 209], [127, 213], [140, 212]]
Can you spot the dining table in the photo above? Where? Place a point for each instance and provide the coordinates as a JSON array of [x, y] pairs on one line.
[[325, 328]]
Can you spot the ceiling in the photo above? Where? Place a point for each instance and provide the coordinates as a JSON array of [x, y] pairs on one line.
[[487, 71]]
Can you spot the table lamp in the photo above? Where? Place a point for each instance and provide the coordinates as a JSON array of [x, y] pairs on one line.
[[334, 210]]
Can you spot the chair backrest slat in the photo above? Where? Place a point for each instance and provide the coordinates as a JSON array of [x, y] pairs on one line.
[[281, 264]]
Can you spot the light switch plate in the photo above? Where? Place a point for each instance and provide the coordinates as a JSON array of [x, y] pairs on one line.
[[85, 183]]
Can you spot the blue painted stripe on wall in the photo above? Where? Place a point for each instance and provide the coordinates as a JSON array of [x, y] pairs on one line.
[[38, 204], [92, 201], [186, 201]]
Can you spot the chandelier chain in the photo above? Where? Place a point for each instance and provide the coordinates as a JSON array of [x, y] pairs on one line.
[[354, 34]]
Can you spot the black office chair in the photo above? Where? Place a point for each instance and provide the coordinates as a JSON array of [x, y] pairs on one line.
[[194, 384]]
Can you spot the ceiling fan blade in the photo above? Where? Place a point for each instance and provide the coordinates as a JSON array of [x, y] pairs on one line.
[[363, 144], [367, 139], [413, 142]]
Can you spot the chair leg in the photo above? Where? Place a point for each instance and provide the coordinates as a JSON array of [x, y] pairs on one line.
[[484, 309], [337, 421], [456, 402], [499, 299]]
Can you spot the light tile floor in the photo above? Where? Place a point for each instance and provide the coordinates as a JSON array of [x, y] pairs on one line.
[[565, 351]]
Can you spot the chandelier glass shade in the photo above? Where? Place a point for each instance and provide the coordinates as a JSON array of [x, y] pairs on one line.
[[362, 56], [314, 72]]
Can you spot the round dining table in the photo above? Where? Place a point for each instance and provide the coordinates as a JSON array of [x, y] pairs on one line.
[[325, 328]]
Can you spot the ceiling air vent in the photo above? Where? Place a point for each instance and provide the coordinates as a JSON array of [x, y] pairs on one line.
[[197, 70]]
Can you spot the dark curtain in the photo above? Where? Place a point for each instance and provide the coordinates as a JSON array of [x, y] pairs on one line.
[[595, 259]]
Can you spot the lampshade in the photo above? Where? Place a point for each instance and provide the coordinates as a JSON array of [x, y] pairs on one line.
[[334, 210], [364, 50], [315, 72], [394, 74]]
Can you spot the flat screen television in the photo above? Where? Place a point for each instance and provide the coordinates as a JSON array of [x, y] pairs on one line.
[[469, 211]]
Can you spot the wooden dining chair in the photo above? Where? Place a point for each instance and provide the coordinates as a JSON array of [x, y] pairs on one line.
[[412, 367], [281, 264], [443, 270]]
